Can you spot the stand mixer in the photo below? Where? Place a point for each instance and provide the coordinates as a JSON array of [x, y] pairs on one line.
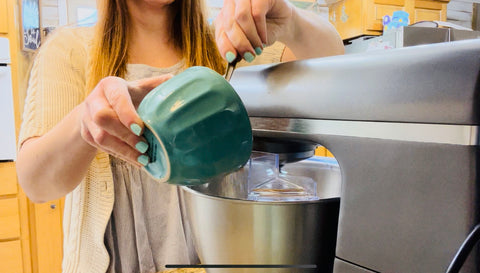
[[403, 126]]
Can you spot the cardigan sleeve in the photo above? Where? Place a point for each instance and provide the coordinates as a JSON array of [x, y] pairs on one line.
[[57, 82]]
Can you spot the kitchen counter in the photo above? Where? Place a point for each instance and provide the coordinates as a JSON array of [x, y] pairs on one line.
[[185, 270]]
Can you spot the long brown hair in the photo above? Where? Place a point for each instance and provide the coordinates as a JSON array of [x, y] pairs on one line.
[[191, 33]]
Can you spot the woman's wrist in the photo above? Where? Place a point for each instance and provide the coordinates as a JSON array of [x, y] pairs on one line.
[[291, 27], [79, 111], [310, 36]]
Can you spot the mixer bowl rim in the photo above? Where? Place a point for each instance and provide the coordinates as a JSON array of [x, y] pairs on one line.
[[260, 203]]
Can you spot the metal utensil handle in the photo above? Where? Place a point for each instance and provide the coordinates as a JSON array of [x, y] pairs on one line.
[[230, 68]]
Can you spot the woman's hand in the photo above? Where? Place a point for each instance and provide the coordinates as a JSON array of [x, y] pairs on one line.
[[244, 27], [109, 121]]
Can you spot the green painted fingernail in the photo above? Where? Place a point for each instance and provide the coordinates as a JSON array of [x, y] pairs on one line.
[[143, 159], [258, 50], [136, 129], [230, 56], [264, 45], [141, 146], [249, 57]]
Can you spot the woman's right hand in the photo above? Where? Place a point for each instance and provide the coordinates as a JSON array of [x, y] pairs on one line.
[[109, 120]]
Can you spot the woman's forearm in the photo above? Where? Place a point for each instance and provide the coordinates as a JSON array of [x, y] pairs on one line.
[[310, 36], [52, 165]]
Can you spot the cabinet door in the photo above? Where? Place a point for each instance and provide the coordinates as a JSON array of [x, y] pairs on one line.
[[3, 16], [348, 18], [428, 15], [9, 219], [11, 257], [430, 10], [48, 239], [379, 8], [8, 178]]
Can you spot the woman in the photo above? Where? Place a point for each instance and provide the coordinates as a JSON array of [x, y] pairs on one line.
[[81, 136]]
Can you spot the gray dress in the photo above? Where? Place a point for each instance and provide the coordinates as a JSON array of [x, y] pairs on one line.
[[146, 230]]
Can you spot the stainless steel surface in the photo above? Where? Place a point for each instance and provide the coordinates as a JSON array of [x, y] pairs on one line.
[[408, 36], [435, 84], [409, 186], [231, 230], [406, 206], [402, 37], [344, 267], [414, 132]]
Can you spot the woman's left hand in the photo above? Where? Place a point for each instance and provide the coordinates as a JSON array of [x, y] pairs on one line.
[[243, 27]]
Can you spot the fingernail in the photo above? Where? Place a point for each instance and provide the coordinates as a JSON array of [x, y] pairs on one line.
[[230, 56], [143, 159], [141, 146], [264, 45], [249, 57], [136, 129], [258, 50]]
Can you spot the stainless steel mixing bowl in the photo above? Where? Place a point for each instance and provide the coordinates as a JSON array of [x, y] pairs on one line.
[[230, 230]]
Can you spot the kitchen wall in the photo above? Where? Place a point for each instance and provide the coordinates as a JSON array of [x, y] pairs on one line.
[[318, 6], [50, 13], [62, 12], [53, 13], [56, 13]]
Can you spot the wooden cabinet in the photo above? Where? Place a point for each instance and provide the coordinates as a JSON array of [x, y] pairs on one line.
[[354, 18], [430, 11], [9, 219], [30, 234], [322, 151], [378, 9], [3, 16], [14, 223], [14, 228], [11, 257], [47, 237], [8, 180], [9, 205]]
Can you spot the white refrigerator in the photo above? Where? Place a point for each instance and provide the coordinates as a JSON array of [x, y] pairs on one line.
[[7, 117]]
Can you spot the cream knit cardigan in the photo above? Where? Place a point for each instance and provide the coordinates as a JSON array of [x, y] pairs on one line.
[[57, 84]]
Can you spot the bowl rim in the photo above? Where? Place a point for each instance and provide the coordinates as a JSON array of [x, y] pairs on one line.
[[168, 174], [252, 202]]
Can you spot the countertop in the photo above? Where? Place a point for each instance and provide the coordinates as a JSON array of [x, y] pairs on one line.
[[185, 270]]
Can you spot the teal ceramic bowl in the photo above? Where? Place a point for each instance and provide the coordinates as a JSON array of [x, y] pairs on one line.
[[197, 128]]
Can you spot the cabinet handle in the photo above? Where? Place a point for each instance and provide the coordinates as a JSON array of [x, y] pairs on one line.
[[53, 206]]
